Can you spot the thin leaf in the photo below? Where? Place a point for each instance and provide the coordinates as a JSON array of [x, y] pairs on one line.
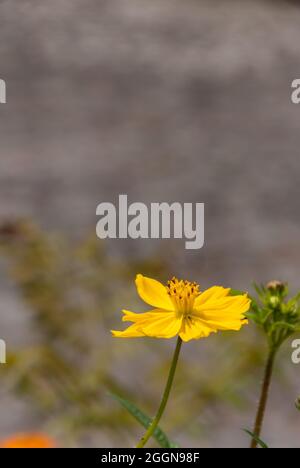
[[260, 442], [145, 421]]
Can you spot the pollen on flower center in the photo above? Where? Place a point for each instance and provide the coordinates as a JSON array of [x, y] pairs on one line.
[[183, 294]]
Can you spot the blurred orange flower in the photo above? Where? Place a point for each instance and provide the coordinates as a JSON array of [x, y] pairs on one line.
[[27, 440]]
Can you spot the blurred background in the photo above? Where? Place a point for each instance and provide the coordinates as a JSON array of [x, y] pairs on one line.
[[164, 101]]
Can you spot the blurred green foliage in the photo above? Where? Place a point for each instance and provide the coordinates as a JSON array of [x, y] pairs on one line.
[[74, 293]]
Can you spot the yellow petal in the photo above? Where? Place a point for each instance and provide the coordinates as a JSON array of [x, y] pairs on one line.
[[194, 329], [234, 325], [166, 326], [154, 293], [221, 311], [155, 324], [141, 317], [214, 293], [231, 306], [130, 332]]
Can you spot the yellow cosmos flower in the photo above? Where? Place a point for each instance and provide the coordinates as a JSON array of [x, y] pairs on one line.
[[180, 308]]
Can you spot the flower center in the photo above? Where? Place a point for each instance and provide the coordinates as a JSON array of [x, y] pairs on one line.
[[183, 295]]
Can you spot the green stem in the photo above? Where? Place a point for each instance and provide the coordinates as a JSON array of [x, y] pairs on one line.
[[264, 397], [151, 429]]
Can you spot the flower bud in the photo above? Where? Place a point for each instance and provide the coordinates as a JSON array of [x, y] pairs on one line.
[[276, 286], [274, 301]]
